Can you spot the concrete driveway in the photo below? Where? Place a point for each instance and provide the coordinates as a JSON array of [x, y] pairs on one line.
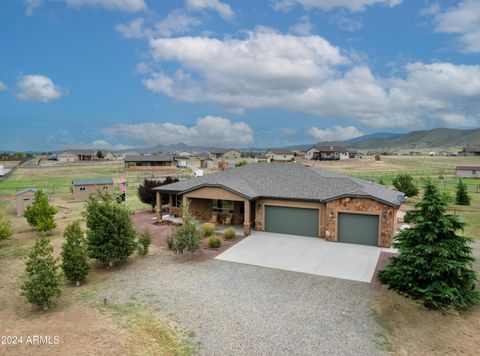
[[307, 255]]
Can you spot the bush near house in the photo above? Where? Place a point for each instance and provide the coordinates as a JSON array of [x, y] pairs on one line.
[[462, 197], [144, 241], [207, 229], [435, 264], [110, 232], [42, 277], [40, 215], [214, 242], [75, 254], [147, 195], [404, 183], [5, 228], [187, 237], [229, 234]]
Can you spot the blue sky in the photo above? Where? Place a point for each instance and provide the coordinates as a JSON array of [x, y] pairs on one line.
[[125, 73]]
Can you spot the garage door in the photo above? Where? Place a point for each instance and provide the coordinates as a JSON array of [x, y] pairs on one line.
[[294, 221], [358, 229]]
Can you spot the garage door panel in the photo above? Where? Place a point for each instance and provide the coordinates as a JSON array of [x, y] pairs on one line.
[[294, 221], [358, 228]]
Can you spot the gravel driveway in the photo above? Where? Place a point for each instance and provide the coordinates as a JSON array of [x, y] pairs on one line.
[[236, 309]]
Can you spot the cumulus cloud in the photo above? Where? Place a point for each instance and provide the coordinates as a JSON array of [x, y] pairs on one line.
[[462, 20], [336, 133], [307, 74], [119, 5], [208, 131], [134, 29], [3, 86], [351, 5], [38, 88], [223, 9]]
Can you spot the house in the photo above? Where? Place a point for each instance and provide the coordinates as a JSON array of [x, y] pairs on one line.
[[128, 153], [109, 156], [82, 189], [206, 162], [280, 155], [226, 153], [327, 153], [468, 171], [77, 155], [149, 161], [470, 151], [25, 198], [291, 199], [262, 158], [353, 154]]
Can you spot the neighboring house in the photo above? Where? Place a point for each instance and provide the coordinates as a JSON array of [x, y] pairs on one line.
[[327, 153], [206, 162], [468, 171], [82, 189], [470, 151], [280, 155], [353, 154], [25, 198], [77, 155], [292, 199], [261, 158], [226, 153], [149, 161], [109, 156], [128, 153]]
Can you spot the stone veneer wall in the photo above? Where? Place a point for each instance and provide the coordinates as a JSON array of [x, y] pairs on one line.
[[361, 205]]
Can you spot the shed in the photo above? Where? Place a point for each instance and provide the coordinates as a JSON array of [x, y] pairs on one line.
[[468, 171], [82, 189], [206, 162], [25, 198]]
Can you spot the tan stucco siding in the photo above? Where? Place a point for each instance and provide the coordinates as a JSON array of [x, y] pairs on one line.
[[83, 195], [214, 193]]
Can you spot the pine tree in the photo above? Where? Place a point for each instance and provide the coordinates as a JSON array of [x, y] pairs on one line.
[[42, 277], [434, 263], [74, 254], [40, 215], [5, 228], [110, 232], [462, 197]]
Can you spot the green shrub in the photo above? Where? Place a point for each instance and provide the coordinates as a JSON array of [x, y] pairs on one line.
[[207, 229], [144, 241], [5, 228], [229, 234], [404, 183], [74, 254], [40, 214], [187, 236], [214, 242]]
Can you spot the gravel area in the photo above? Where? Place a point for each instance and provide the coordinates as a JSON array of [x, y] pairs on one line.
[[237, 309]]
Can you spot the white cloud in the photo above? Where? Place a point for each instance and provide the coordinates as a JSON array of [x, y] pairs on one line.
[[307, 74], [462, 20], [3, 86], [119, 5], [211, 131], [105, 145], [336, 133], [223, 9], [177, 21], [134, 29], [303, 27], [345, 22], [351, 5], [38, 88]]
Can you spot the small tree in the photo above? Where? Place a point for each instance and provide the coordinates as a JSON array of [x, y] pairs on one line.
[[74, 254], [404, 183], [5, 228], [40, 215], [147, 195], [99, 154], [462, 197], [42, 277], [186, 237], [144, 241], [434, 263], [110, 232]]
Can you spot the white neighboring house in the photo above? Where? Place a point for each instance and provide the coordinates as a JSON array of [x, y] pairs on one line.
[[280, 155], [327, 153], [3, 171]]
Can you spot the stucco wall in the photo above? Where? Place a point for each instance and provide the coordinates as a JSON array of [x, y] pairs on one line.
[[83, 195], [23, 201], [361, 205]]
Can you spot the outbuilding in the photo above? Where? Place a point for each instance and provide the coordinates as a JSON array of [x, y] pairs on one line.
[[82, 189], [468, 171], [25, 198]]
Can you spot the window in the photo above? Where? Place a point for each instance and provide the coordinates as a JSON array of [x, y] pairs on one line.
[[105, 187], [223, 206], [82, 189], [176, 201]]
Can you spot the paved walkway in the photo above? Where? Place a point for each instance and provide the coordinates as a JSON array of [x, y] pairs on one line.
[[307, 255]]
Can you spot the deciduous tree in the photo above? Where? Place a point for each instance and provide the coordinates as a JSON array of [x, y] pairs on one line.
[[147, 195], [74, 254], [40, 215], [404, 183], [5, 228]]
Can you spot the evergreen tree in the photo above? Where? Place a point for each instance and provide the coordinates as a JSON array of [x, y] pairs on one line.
[[40, 215], [404, 183], [462, 197], [42, 277], [5, 228], [74, 254], [110, 232], [434, 263]]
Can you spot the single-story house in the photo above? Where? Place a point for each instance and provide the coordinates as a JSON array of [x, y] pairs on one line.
[[291, 199], [470, 151], [206, 162], [353, 154], [82, 189], [280, 155], [327, 153], [77, 155], [225, 153], [25, 198], [468, 171], [261, 158], [109, 156], [149, 161]]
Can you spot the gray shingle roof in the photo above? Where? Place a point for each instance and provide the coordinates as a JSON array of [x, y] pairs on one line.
[[99, 181], [288, 181], [147, 158], [34, 190]]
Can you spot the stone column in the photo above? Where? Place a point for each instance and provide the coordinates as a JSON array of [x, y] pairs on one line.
[[159, 207], [247, 227]]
